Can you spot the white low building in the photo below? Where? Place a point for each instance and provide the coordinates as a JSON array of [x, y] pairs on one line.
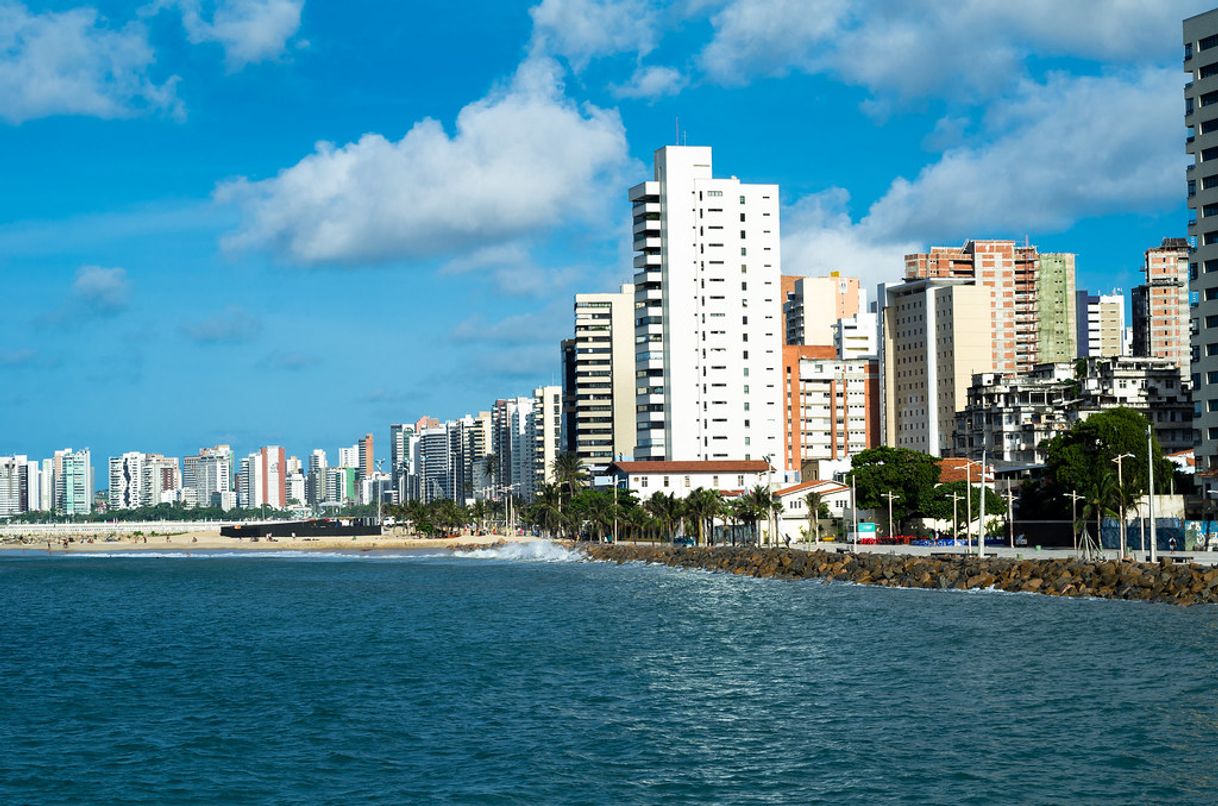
[[793, 522], [645, 479]]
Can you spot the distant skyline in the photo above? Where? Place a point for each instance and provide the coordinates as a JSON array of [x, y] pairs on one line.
[[286, 222]]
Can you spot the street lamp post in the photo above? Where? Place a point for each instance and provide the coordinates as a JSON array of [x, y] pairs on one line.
[[968, 507], [891, 531], [1074, 498], [1121, 485], [380, 499], [955, 521], [1010, 513], [854, 510], [1150, 498]]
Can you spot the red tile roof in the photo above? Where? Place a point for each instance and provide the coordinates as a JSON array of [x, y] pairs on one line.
[[726, 466], [954, 468], [815, 485]]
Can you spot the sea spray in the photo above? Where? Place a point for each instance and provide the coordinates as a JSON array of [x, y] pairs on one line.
[[546, 551]]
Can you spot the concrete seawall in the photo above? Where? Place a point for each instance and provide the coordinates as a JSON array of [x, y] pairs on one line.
[[1166, 582]]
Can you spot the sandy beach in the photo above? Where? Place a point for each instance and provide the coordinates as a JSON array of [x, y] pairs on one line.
[[211, 540]]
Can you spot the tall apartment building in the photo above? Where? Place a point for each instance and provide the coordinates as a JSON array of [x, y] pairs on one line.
[[127, 480], [857, 337], [598, 379], [402, 437], [1161, 312], [367, 456], [1010, 272], [264, 479], [936, 336], [545, 428], [1201, 120], [1101, 324], [349, 457], [73, 482], [708, 315], [816, 304], [209, 473], [435, 465], [14, 485], [831, 407], [1057, 336]]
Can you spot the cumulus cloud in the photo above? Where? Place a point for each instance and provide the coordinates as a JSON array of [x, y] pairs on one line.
[[100, 290], [582, 30], [652, 82], [248, 30], [232, 326], [971, 49], [73, 63], [521, 161], [1042, 167]]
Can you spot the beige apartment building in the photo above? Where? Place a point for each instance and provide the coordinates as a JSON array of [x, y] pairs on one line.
[[813, 306], [936, 336]]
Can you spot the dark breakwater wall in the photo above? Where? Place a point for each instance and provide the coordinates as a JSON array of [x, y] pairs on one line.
[[1167, 582]]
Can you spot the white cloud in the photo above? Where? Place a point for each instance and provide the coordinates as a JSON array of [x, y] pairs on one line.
[[582, 30], [100, 290], [248, 30], [819, 236], [73, 63], [1045, 165], [969, 49], [522, 161], [652, 82], [1060, 151]]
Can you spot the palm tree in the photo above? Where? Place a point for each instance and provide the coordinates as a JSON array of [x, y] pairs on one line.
[[547, 508], [569, 473], [667, 510], [597, 509], [817, 509], [759, 503], [702, 505], [490, 463], [478, 512], [1098, 502]]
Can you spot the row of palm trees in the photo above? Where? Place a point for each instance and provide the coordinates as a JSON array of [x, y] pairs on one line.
[[568, 507]]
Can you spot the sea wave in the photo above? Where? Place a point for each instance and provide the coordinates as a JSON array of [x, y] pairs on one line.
[[546, 551]]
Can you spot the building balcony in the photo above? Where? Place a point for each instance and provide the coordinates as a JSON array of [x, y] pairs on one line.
[[649, 243], [648, 260]]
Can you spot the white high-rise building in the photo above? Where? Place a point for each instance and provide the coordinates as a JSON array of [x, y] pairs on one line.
[[127, 480], [545, 426], [46, 490], [598, 379], [708, 315], [348, 457], [14, 485], [209, 473]]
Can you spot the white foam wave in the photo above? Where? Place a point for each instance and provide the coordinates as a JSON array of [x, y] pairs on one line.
[[546, 551]]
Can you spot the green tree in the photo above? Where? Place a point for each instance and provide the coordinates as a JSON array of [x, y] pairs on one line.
[[1079, 459], [911, 475]]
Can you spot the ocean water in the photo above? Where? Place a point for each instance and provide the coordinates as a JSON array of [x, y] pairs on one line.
[[534, 679]]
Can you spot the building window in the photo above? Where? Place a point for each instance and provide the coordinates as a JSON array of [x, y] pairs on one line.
[[740, 481], [687, 481], [666, 481]]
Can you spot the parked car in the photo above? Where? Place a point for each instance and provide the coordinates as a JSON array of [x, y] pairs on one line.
[[683, 541]]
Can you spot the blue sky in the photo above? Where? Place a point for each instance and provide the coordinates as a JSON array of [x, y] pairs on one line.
[[295, 221]]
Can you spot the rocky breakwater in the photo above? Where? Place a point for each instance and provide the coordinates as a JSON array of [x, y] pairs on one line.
[[1167, 582]]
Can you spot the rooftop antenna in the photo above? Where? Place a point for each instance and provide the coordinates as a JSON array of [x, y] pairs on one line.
[[684, 138], [676, 130]]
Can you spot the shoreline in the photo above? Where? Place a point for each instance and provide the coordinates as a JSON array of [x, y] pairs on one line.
[[185, 542]]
